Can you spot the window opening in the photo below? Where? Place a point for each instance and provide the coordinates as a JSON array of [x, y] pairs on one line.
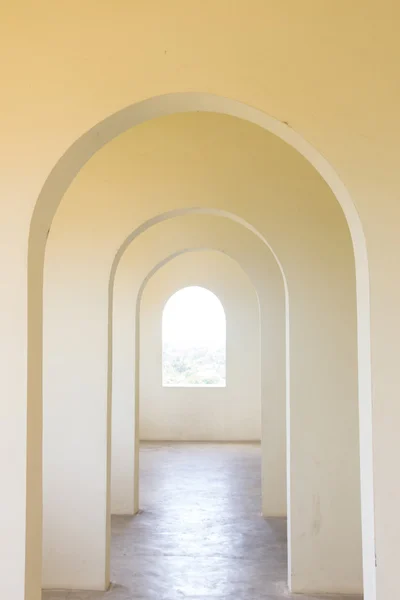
[[194, 339]]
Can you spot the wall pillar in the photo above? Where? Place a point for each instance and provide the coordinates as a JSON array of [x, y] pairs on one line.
[[76, 445], [324, 524], [123, 394], [20, 515]]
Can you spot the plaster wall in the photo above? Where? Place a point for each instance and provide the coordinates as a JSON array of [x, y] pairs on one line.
[[231, 413], [341, 97], [141, 259], [203, 160]]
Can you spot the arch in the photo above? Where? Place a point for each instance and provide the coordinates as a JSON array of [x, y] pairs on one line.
[[49, 198], [186, 325], [141, 290], [131, 237], [136, 233], [272, 506]]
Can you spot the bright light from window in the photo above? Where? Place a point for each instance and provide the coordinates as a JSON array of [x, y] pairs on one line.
[[194, 339]]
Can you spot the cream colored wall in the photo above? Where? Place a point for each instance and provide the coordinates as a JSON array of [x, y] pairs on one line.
[[232, 413], [341, 97], [206, 160], [138, 263]]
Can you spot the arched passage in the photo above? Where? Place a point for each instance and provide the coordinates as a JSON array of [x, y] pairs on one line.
[[273, 499], [180, 233], [51, 194], [142, 250], [225, 409], [322, 279]]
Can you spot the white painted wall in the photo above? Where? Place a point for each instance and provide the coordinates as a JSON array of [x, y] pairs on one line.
[[232, 413]]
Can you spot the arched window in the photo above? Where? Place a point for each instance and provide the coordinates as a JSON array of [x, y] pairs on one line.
[[194, 339]]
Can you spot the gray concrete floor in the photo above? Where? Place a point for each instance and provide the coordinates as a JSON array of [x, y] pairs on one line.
[[200, 534]]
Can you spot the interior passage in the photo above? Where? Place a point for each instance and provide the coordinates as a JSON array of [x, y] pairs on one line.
[[200, 534]]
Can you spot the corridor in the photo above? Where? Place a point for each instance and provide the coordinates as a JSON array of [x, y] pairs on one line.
[[200, 534]]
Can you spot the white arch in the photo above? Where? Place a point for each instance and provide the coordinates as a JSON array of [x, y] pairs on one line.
[[117, 259], [47, 203], [142, 287]]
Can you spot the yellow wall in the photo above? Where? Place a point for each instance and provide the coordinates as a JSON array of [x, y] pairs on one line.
[[329, 70]]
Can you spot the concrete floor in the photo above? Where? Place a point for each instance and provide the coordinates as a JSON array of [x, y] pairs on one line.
[[201, 535]]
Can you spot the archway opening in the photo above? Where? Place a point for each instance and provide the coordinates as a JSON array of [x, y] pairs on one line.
[[35, 300], [210, 482], [193, 339]]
